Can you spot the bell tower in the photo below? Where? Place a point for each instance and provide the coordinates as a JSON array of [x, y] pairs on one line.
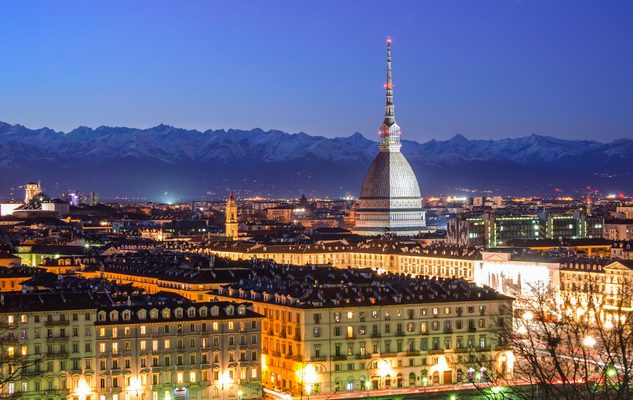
[[230, 226]]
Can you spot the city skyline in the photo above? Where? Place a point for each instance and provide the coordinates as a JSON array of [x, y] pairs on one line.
[[483, 70]]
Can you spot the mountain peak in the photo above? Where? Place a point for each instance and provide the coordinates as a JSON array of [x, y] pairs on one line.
[[459, 138]]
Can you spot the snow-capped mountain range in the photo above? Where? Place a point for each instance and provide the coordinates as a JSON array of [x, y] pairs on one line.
[[190, 163]]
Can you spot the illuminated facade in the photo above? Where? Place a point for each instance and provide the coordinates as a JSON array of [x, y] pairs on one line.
[[31, 190], [499, 230], [72, 347], [592, 285], [230, 225], [390, 200], [316, 342], [440, 261]]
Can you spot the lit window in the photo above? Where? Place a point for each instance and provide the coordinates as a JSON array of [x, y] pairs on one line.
[[179, 378], [192, 376]]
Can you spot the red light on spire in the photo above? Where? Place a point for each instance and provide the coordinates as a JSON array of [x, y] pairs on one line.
[[389, 39]]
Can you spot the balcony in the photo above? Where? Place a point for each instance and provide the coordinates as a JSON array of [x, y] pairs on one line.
[[62, 322], [436, 351], [472, 329], [339, 357], [375, 335], [319, 358], [363, 356], [56, 339], [57, 354]]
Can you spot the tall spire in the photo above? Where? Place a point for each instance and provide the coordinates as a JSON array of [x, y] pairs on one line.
[[389, 130], [389, 116]]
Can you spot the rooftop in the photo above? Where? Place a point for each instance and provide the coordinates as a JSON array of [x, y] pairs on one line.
[[316, 287]]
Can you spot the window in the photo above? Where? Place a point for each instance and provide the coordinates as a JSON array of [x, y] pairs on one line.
[[350, 331]]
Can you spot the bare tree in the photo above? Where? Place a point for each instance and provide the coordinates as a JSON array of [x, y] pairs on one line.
[[15, 362], [574, 344]]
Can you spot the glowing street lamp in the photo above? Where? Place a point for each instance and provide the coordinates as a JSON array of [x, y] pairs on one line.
[[495, 389], [83, 391], [589, 341], [611, 372]]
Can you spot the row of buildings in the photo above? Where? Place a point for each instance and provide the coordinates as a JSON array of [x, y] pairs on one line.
[[119, 330], [127, 345]]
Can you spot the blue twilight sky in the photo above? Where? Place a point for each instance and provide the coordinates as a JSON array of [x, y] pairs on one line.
[[486, 69]]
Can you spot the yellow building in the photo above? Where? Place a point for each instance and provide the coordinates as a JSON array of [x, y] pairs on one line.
[[94, 346], [11, 278], [329, 330], [389, 256], [231, 227], [593, 286]]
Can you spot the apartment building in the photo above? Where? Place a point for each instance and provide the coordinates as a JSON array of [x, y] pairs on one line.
[[127, 346], [329, 330]]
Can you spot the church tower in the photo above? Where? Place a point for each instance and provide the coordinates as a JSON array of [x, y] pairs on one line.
[[230, 226], [390, 200]]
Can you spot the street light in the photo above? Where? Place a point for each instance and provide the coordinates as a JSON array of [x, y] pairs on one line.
[[308, 376], [589, 341], [83, 391]]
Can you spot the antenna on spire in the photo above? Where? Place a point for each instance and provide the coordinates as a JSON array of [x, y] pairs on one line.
[[389, 114], [389, 84], [389, 130]]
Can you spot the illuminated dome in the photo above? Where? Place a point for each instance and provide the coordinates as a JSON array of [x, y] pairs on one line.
[[390, 176], [390, 200]]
